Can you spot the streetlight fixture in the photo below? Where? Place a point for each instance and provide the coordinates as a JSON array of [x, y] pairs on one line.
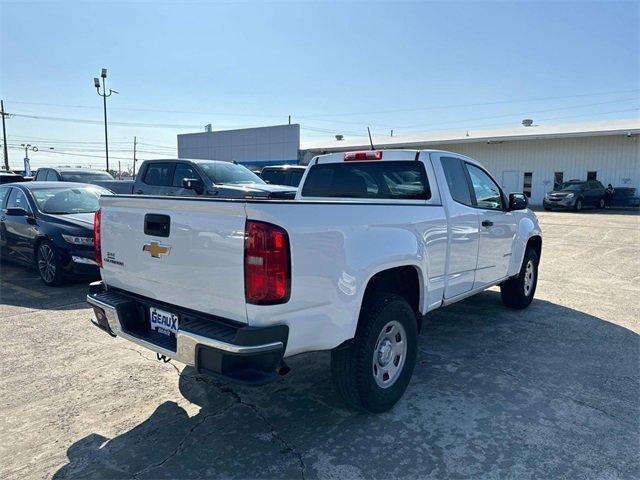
[[104, 95]]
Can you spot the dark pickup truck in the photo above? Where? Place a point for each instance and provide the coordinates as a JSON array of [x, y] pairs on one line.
[[179, 177]]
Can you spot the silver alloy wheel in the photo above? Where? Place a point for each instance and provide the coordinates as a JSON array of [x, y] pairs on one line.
[[389, 354], [46, 263], [529, 277], [601, 204], [579, 205]]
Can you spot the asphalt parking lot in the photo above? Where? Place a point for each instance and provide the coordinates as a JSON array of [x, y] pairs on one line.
[[549, 392]]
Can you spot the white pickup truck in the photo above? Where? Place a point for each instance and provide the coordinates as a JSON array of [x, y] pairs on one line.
[[372, 242]]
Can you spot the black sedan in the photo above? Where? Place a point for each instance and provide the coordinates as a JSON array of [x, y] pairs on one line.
[[49, 225]]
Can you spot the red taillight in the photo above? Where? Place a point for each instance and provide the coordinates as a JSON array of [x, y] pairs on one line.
[[97, 244], [267, 272], [368, 155]]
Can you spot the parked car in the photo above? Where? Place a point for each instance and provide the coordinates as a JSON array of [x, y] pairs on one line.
[[373, 241], [9, 177], [283, 174], [575, 195], [625, 197], [49, 225], [207, 178], [179, 177], [84, 175]]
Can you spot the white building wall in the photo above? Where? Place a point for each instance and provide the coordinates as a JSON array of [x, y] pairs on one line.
[[279, 143], [615, 158]]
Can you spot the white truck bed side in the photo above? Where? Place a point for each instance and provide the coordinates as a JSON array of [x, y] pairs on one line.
[[336, 247]]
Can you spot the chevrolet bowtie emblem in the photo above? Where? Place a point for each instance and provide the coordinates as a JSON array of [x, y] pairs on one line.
[[155, 249]]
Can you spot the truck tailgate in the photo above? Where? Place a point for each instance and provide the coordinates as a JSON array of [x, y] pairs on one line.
[[198, 264]]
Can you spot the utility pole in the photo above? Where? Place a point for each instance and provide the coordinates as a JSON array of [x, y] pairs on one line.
[[135, 142], [104, 95], [4, 138], [119, 171], [289, 119]]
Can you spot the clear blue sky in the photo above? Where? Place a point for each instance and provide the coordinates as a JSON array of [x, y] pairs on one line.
[[335, 67]]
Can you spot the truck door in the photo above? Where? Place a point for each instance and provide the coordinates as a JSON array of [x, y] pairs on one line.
[[497, 227], [464, 230], [185, 171], [157, 180]]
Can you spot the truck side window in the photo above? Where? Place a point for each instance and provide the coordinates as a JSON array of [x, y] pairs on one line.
[[456, 180], [183, 171], [487, 193], [52, 176], [159, 174], [276, 177], [294, 179]]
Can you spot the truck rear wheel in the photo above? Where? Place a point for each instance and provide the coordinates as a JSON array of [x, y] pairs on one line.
[[518, 292], [373, 371]]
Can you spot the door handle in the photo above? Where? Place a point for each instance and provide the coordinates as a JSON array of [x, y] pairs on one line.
[[138, 192], [487, 223]]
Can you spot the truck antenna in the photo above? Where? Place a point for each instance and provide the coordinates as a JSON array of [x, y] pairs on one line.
[[370, 141]]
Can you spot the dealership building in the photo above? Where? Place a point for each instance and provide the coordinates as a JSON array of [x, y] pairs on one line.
[[275, 145], [529, 158]]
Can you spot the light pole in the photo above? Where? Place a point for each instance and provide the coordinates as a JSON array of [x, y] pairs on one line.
[[28, 147], [104, 95], [27, 163]]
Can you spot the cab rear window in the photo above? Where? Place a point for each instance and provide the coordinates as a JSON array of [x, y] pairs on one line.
[[405, 180]]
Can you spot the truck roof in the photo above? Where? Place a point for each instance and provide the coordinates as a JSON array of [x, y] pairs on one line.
[[382, 155]]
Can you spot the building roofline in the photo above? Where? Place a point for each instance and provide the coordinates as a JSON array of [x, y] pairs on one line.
[[420, 140]]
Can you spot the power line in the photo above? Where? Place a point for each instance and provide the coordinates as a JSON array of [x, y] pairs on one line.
[[520, 114], [274, 115], [327, 130], [97, 122], [461, 105]]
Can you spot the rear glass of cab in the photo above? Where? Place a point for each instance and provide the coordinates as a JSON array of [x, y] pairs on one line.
[[393, 180]]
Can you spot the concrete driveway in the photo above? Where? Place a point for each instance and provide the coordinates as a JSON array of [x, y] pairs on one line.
[[552, 391]]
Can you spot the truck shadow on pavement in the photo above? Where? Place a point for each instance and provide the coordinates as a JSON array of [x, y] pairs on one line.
[[546, 392]]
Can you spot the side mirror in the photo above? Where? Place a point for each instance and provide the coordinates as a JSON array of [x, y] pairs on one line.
[[16, 212], [194, 184], [518, 201]]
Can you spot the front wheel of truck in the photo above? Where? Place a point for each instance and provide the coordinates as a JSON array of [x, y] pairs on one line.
[[373, 371], [518, 292]]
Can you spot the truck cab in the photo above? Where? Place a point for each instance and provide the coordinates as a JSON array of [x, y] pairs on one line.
[[210, 178]]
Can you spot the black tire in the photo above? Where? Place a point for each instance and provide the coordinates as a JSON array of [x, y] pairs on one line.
[[353, 366], [548, 209], [578, 206], [48, 264], [514, 292]]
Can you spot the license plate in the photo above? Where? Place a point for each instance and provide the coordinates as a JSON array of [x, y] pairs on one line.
[[163, 322]]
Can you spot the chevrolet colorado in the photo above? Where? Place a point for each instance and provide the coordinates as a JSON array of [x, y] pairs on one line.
[[372, 242]]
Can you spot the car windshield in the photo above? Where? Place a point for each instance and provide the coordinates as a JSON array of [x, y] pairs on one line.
[[84, 176], [572, 186], [68, 200], [222, 173]]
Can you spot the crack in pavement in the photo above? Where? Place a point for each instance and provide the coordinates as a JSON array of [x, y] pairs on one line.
[[258, 413], [222, 388], [180, 446]]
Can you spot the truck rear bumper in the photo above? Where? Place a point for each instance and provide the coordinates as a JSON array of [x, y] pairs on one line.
[[212, 345]]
